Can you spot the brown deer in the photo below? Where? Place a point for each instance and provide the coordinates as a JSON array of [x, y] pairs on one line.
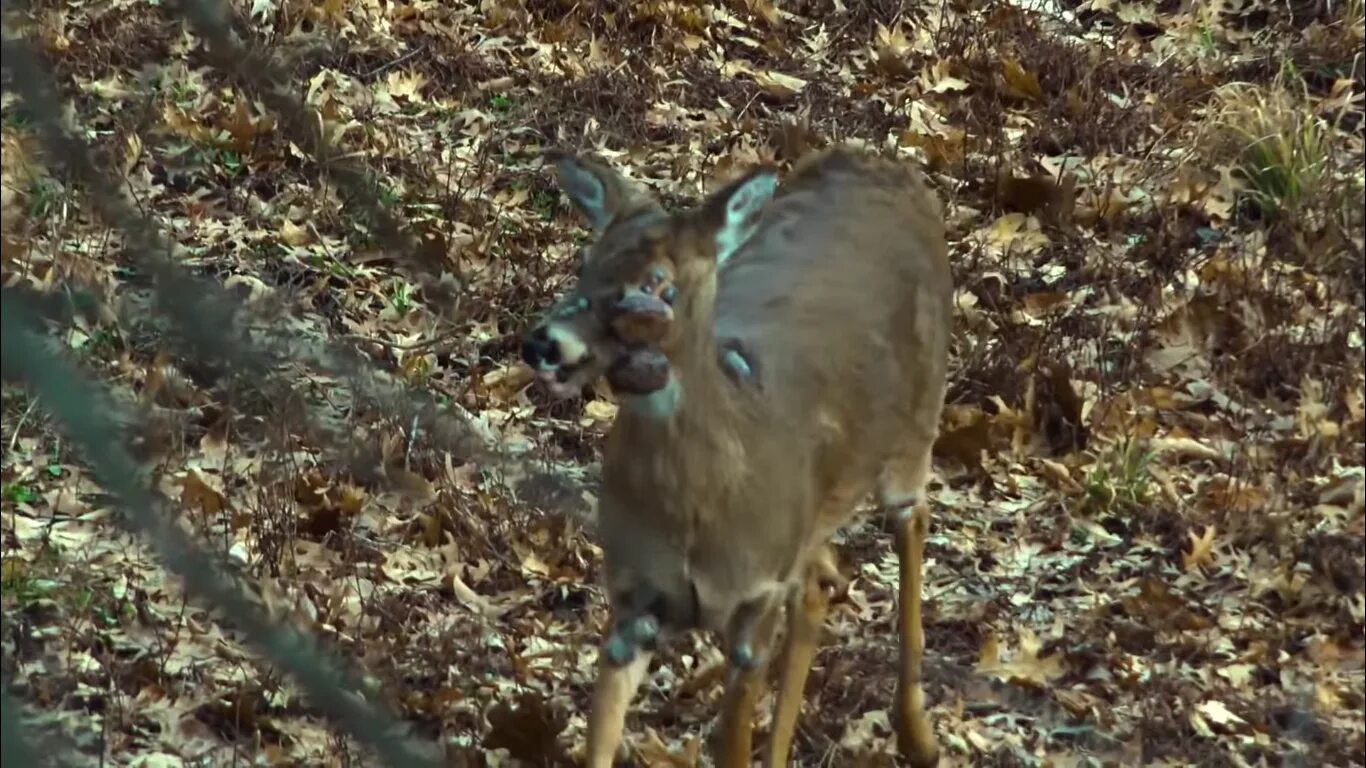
[[783, 352]]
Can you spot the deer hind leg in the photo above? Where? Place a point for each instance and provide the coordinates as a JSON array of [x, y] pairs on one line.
[[616, 686], [735, 735], [806, 612], [902, 494]]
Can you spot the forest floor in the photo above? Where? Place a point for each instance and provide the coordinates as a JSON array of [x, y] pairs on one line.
[[1149, 526]]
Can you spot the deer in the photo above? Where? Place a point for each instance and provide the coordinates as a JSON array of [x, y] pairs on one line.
[[778, 354]]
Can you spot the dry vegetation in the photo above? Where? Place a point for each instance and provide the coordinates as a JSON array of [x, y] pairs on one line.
[[1148, 546]]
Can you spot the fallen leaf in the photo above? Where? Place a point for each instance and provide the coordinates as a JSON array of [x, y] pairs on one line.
[[1019, 83], [779, 85], [1201, 552], [197, 495], [529, 730], [1218, 713]]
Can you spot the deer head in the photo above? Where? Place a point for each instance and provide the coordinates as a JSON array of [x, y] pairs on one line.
[[646, 285]]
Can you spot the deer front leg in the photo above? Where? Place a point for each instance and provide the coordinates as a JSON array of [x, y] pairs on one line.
[[616, 686], [915, 736], [750, 640], [806, 614], [623, 659]]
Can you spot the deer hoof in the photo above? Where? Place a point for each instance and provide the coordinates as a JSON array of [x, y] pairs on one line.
[[921, 755], [915, 741]]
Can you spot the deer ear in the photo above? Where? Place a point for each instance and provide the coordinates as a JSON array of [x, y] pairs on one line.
[[597, 191], [734, 210]]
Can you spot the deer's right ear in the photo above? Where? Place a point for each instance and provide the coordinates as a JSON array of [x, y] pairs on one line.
[[733, 211], [598, 192]]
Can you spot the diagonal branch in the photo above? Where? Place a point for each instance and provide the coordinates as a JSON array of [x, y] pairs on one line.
[[86, 413]]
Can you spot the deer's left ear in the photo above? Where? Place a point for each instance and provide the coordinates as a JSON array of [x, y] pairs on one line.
[[597, 191], [733, 211]]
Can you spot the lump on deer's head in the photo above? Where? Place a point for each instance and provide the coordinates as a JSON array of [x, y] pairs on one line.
[[640, 371]]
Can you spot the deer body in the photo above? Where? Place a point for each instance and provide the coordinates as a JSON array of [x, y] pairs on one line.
[[720, 494]]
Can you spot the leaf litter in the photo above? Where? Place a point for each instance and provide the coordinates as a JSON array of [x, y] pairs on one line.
[[1148, 541]]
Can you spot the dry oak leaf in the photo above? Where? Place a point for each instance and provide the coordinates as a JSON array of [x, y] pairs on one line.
[[1019, 82], [937, 78], [779, 85], [197, 494], [1201, 552], [1025, 667], [657, 752], [1012, 233], [1215, 712]]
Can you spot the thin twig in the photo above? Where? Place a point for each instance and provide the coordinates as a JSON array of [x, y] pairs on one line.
[[18, 428], [391, 64]]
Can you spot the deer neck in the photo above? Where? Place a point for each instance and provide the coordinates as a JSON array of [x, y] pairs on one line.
[[682, 448]]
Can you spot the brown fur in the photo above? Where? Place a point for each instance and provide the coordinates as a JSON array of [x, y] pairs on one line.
[[725, 502]]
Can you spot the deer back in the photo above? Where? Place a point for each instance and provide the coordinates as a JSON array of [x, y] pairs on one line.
[[843, 296]]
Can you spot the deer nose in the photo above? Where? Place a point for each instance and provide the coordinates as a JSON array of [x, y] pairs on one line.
[[539, 350]]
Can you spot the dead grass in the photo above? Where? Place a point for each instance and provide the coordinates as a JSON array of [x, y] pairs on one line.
[[1283, 151], [1299, 165]]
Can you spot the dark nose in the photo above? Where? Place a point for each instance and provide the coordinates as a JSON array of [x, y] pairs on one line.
[[539, 349]]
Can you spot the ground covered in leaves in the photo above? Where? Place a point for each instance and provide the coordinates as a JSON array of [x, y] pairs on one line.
[[1148, 538]]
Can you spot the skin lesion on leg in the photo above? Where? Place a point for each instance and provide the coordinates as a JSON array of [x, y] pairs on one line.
[[734, 739]]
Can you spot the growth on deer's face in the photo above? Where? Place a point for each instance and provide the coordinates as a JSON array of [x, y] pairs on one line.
[[780, 353], [622, 309]]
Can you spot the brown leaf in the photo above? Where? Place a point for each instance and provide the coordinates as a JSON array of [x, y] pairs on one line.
[[243, 128], [1201, 552], [778, 85], [965, 444], [944, 151], [1232, 495], [1025, 666], [1157, 603], [1078, 703], [793, 138], [1052, 200], [656, 752], [1019, 83], [196, 494], [529, 730], [1057, 409]]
